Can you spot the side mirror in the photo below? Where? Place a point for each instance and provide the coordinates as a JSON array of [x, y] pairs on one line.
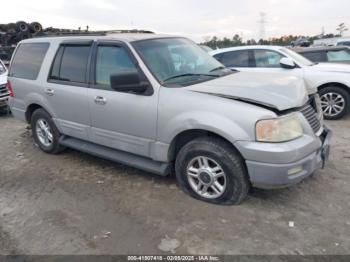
[[287, 63], [128, 82]]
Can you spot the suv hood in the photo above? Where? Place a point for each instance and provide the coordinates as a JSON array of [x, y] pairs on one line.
[[276, 91], [331, 67]]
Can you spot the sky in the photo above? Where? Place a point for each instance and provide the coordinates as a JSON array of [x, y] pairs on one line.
[[196, 19]]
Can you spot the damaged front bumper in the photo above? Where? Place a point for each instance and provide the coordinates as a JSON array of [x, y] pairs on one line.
[[285, 164]]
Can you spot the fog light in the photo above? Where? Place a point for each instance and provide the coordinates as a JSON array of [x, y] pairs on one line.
[[295, 170]]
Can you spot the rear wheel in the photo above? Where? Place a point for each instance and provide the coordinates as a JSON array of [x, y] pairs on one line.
[[45, 133], [209, 169], [334, 102]]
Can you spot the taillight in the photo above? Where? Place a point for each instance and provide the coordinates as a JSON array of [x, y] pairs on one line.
[[9, 88]]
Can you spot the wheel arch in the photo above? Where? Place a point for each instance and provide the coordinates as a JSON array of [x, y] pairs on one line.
[[186, 136], [30, 110], [337, 84]]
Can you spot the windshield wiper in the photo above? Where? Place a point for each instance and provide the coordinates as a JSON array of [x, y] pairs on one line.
[[189, 74], [217, 68]]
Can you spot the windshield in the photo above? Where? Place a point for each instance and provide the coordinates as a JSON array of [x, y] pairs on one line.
[[2, 68], [297, 58], [178, 61]]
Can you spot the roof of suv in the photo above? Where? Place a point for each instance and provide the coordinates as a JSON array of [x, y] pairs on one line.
[[126, 37], [246, 47]]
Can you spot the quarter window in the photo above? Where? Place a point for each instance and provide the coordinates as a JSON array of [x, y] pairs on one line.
[[267, 58], [315, 56], [28, 59], [111, 60]]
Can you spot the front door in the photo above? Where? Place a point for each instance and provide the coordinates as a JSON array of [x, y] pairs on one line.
[[124, 121]]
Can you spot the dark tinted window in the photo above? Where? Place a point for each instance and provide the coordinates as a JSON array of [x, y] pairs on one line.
[[111, 60], [267, 58], [28, 59], [315, 56], [235, 58], [346, 43], [74, 63]]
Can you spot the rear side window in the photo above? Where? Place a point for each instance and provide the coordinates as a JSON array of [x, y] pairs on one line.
[[340, 55], [28, 59], [315, 56], [235, 58], [70, 64]]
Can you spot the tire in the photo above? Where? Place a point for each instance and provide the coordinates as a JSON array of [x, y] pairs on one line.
[[218, 153], [22, 26], [22, 35], [54, 147], [338, 95], [35, 27]]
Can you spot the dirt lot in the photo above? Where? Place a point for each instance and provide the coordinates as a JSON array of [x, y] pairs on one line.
[[74, 203]]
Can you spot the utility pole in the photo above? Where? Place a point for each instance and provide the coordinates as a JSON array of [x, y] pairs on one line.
[[262, 21]]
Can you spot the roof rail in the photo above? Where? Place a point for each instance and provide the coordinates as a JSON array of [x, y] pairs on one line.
[[89, 33]]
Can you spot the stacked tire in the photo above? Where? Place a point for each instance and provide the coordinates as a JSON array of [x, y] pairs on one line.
[[12, 33]]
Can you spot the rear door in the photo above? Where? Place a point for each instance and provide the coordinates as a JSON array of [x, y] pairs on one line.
[[241, 60], [124, 121], [66, 88]]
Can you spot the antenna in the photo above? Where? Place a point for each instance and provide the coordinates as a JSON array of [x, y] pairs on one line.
[[262, 21]]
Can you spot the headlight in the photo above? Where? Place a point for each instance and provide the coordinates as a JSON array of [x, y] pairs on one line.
[[279, 129]]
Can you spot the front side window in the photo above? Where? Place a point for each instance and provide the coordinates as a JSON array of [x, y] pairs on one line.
[[111, 60], [239, 58], [339, 55], [27, 61], [267, 58], [70, 63], [178, 61]]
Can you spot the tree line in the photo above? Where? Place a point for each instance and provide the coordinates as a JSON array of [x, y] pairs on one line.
[[237, 40]]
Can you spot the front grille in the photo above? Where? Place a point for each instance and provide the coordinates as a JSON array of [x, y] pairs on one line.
[[311, 115], [3, 91]]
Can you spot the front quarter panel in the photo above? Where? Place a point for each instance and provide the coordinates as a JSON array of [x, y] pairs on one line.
[[317, 78], [181, 110]]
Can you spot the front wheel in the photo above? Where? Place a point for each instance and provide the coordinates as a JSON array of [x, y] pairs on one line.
[[334, 102], [209, 169]]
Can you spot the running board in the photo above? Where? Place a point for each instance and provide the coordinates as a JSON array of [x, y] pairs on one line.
[[146, 164]]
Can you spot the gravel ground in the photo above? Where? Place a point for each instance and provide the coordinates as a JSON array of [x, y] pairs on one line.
[[74, 203]]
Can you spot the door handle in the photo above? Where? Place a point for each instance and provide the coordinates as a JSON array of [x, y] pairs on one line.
[[49, 91], [100, 100]]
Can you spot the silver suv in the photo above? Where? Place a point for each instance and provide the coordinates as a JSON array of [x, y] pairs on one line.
[[162, 104]]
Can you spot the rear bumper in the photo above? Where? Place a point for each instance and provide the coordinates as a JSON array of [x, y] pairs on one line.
[[277, 175]]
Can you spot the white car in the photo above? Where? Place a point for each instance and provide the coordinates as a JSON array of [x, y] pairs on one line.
[[331, 80], [4, 94]]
